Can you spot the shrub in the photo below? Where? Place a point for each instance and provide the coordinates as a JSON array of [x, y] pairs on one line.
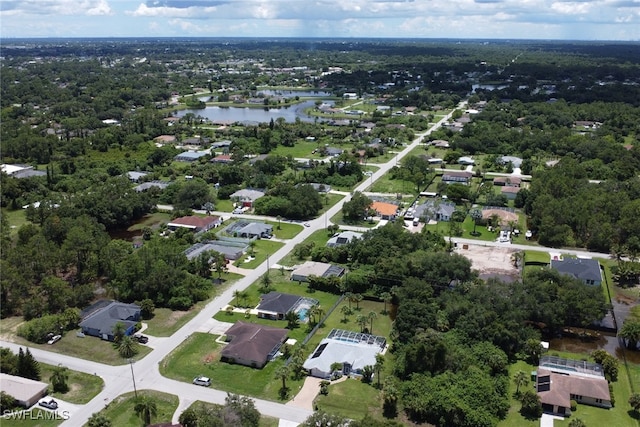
[[574, 405]]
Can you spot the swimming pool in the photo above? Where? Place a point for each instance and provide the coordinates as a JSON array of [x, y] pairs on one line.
[[302, 314]]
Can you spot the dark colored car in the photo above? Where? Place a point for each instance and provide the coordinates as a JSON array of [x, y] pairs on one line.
[[142, 339], [49, 404]]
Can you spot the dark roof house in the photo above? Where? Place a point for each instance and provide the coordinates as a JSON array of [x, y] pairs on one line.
[[587, 270], [276, 305], [251, 344], [99, 319]]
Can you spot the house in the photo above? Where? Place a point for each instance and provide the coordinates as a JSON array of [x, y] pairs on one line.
[[587, 270], [151, 184], [559, 381], [247, 196], [222, 159], [510, 192], [467, 161], [26, 392], [190, 156], [462, 177], [352, 350], [196, 223], [435, 210], [252, 230], [99, 319], [319, 269], [135, 176], [320, 188], [251, 344], [440, 143], [516, 162], [21, 171], [232, 250], [275, 305], [507, 181], [342, 238], [165, 139], [331, 151], [221, 144], [385, 210]]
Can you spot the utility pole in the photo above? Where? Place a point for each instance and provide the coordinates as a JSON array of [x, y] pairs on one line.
[[135, 391]]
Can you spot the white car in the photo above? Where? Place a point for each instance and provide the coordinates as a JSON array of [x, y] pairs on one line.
[[54, 339], [306, 224], [203, 381]]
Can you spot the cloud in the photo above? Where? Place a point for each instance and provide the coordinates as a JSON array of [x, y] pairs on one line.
[[55, 7]]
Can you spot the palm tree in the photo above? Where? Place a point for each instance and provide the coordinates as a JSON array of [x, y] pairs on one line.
[[521, 379], [59, 379], [630, 331], [127, 347], [266, 282], [378, 366], [357, 298], [292, 319], [319, 311], [146, 408], [336, 367], [98, 420], [476, 215], [118, 331], [236, 295], [371, 317], [386, 297], [349, 297], [362, 321], [282, 373], [516, 257], [346, 311]]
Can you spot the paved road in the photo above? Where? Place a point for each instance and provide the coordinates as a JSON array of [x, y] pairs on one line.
[[118, 379]]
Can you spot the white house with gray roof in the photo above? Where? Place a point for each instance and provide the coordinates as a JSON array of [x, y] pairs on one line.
[[343, 238], [585, 269]]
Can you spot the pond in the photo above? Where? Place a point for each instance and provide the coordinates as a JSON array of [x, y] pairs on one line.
[[254, 115]]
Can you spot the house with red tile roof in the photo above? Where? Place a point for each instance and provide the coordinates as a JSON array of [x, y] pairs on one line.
[[385, 210], [195, 223]]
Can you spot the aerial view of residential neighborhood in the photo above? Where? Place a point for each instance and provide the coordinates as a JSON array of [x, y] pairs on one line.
[[319, 232]]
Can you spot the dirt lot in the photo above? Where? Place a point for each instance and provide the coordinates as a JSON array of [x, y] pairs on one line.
[[491, 261]]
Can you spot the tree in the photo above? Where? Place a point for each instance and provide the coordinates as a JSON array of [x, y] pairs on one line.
[[630, 331], [379, 365], [127, 347], [520, 379], [146, 408], [241, 407], [236, 295], [476, 215], [147, 308], [367, 374], [293, 320], [634, 402], [322, 419], [282, 373], [346, 311], [357, 298], [386, 298], [516, 258], [357, 208], [371, 316], [28, 367], [98, 420], [577, 422], [118, 331], [362, 320], [324, 387], [59, 379], [531, 406], [266, 283], [7, 402]]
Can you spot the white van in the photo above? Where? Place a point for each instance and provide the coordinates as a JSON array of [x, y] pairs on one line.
[[203, 381]]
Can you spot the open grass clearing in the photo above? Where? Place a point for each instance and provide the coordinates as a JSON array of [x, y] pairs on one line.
[[537, 257], [256, 256], [318, 238], [285, 230], [122, 414], [200, 355], [165, 321], [338, 219], [153, 220], [224, 205], [353, 399], [16, 219], [82, 387], [514, 418], [393, 186]]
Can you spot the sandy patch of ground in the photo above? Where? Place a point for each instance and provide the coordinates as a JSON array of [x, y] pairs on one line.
[[505, 216], [490, 261]]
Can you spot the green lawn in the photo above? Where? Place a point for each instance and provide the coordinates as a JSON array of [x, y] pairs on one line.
[[36, 417], [224, 205], [16, 219], [302, 149], [151, 220], [262, 249], [318, 238], [514, 418], [339, 220], [285, 230], [165, 321], [200, 355], [353, 399], [121, 413], [82, 387], [393, 186], [537, 257]]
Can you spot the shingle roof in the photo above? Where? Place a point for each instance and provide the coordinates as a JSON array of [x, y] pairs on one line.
[[198, 222], [250, 341], [21, 389], [104, 318], [556, 389], [580, 268], [278, 302]]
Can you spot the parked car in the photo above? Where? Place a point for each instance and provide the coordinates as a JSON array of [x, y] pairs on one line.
[[203, 381], [142, 339], [49, 404], [54, 339]]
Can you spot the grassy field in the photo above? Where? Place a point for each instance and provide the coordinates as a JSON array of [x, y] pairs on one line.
[[82, 387], [200, 355], [302, 149], [261, 251], [514, 418], [339, 220], [393, 186], [151, 220], [121, 413], [224, 205], [537, 257], [285, 230], [353, 399], [36, 417], [318, 238], [16, 219], [165, 321]]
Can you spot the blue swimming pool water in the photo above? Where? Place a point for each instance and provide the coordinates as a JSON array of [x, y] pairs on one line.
[[302, 313]]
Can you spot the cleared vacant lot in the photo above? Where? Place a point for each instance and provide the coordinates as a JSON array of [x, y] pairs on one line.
[[490, 261]]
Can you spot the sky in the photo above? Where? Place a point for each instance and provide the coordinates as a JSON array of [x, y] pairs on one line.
[[455, 19]]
